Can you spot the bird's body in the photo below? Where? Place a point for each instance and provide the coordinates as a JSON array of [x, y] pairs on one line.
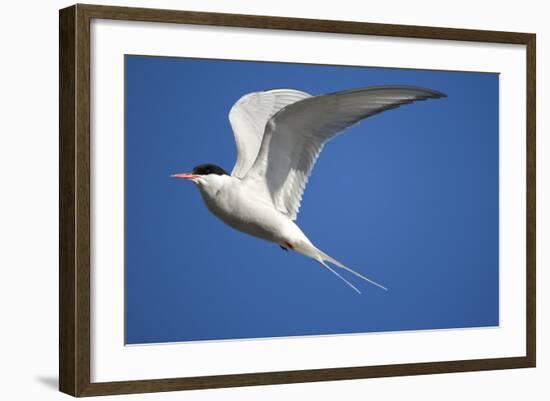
[[279, 135], [231, 202]]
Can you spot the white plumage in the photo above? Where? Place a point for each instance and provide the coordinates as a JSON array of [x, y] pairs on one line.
[[248, 118], [279, 135]]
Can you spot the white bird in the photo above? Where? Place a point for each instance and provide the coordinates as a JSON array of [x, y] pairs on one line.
[[279, 134]]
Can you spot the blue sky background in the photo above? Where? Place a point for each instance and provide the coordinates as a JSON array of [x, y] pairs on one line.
[[408, 197]]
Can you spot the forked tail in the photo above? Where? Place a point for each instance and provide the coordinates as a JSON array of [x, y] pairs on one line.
[[309, 250], [326, 258]]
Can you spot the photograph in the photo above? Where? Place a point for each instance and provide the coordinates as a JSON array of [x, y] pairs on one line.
[[273, 199], [278, 198], [239, 200]]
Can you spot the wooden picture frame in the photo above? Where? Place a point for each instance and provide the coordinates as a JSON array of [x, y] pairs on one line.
[[74, 200]]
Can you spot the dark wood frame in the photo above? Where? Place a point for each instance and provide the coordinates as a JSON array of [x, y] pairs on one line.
[[74, 199]]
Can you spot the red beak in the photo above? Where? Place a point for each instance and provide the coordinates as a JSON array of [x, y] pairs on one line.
[[185, 176]]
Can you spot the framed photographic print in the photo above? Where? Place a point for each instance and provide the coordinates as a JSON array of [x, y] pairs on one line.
[[250, 200]]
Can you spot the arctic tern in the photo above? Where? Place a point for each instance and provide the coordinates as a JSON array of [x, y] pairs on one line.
[[279, 135]]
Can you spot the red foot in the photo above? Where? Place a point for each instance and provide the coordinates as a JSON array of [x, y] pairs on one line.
[[289, 245]]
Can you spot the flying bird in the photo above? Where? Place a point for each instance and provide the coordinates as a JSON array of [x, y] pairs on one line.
[[279, 135]]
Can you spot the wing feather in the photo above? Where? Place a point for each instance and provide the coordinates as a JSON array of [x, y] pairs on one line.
[[248, 118], [295, 136]]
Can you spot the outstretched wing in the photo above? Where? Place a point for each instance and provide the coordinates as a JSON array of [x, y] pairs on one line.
[[248, 118], [295, 136]]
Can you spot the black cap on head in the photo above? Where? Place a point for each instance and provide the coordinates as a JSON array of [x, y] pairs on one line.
[[205, 169]]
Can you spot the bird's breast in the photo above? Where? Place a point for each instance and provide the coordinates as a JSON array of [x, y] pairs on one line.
[[241, 210]]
